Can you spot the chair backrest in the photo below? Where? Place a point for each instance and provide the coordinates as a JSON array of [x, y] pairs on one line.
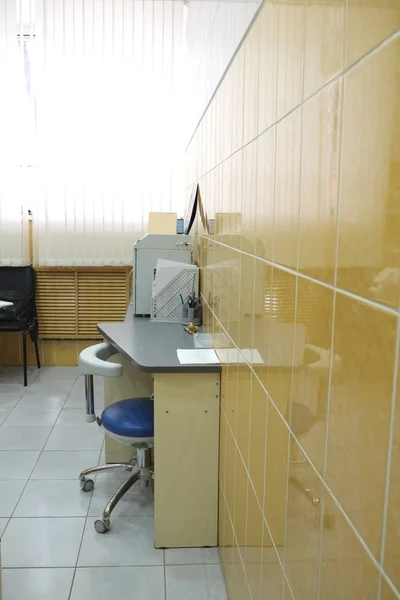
[[18, 285], [93, 361]]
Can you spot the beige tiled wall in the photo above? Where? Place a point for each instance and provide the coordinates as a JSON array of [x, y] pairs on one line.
[[298, 162]]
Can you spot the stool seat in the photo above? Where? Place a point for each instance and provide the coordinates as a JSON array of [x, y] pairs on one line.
[[130, 418]]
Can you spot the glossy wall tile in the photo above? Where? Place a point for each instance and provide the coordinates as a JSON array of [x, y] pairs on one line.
[[346, 570], [324, 43], [319, 185], [268, 65], [214, 30], [257, 438], [291, 32], [287, 189], [360, 414], [370, 24], [391, 549], [303, 524], [368, 251], [298, 162]]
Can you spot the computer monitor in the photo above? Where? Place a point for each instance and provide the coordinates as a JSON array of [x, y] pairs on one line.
[[191, 212]]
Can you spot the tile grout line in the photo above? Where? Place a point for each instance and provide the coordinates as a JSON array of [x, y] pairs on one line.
[[249, 421], [222, 484], [234, 483], [389, 455], [328, 404], [237, 546], [165, 575], [275, 111], [264, 483], [78, 553], [265, 522], [367, 301], [235, 453], [323, 88], [227, 68], [322, 481], [205, 46], [84, 525], [258, 502], [342, 92], [251, 406], [245, 535], [299, 207], [389, 582]]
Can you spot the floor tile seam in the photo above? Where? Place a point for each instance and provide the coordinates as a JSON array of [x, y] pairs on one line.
[[79, 551]]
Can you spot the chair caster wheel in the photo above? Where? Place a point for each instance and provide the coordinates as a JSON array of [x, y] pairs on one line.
[[87, 485], [102, 525]]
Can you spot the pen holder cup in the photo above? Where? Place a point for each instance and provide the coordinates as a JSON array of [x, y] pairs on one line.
[[191, 315]]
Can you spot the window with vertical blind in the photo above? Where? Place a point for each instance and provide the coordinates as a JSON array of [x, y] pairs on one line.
[[16, 123], [94, 136]]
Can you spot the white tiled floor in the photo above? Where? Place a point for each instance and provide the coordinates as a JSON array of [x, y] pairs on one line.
[[49, 546]]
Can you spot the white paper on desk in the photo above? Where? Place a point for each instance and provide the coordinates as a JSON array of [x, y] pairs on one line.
[[202, 356]]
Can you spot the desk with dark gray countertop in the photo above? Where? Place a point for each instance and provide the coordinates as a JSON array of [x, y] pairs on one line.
[[186, 428], [152, 346]]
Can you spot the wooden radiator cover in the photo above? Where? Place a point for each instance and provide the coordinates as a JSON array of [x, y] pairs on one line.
[[70, 302]]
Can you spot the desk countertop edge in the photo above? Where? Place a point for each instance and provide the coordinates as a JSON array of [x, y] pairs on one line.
[[210, 368]]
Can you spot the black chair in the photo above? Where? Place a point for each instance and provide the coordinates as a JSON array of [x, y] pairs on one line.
[[18, 285]]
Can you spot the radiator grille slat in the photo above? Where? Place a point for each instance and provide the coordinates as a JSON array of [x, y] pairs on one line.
[[71, 303]]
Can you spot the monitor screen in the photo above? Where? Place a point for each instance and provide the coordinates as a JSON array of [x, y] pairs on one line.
[[191, 212], [180, 226]]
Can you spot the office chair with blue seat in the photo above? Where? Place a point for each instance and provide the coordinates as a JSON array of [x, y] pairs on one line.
[[129, 421]]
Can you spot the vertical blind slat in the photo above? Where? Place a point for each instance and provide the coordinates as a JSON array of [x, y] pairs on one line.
[[14, 121], [104, 111]]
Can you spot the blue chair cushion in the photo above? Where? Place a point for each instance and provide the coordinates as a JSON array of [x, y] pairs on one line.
[[130, 418]]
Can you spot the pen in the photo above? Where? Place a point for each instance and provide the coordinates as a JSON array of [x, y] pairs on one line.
[[188, 330]]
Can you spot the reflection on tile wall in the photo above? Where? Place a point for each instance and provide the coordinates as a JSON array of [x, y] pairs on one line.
[[298, 161]]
